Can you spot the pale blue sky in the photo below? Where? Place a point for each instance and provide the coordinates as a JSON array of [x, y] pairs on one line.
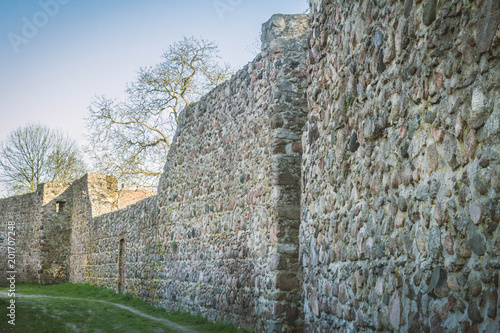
[[95, 47], [53, 61]]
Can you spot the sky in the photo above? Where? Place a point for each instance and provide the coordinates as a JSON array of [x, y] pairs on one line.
[[57, 55]]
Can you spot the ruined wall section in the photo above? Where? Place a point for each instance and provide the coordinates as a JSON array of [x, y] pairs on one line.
[[93, 195], [26, 212], [401, 167]]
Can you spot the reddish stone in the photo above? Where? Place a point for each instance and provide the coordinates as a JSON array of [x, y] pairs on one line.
[[400, 220], [438, 78], [470, 144], [403, 131], [462, 249], [448, 244], [275, 233], [297, 147], [437, 134], [467, 328], [459, 127], [395, 311]]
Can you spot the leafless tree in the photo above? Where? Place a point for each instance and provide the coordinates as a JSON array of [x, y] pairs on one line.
[[130, 138], [35, 154]]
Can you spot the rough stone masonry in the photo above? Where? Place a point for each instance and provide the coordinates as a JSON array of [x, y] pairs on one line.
[[401, 167], [346, 180]]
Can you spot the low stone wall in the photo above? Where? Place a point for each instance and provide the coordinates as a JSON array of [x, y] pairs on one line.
[[401, 167]]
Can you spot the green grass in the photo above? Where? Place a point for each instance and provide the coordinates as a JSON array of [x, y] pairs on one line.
[[42, 315], [88, 292]]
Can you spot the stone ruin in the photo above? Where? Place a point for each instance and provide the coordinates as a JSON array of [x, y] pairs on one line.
[[345, 180]]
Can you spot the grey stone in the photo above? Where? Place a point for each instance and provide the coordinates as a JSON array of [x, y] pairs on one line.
[[422, 193], [474, 313], [476, 212], [408, 7], [429, 13], [492, 303], [353, 143], [450, 149], [487, 24], [438, 286], [495, 178], [477, 244], [379, 39], [434, 242]]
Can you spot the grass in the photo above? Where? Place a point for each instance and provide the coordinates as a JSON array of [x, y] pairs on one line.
[[42, 315], [88, 292]]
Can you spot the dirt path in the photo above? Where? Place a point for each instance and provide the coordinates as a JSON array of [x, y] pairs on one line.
[[166, 322]]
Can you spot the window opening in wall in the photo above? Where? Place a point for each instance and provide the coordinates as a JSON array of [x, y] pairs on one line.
[[121, 266], [60, 206]]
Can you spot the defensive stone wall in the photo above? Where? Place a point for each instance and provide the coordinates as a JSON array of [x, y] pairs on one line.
[[229, 196], [51, 227], [20, 218], [221, 237], [401, 183], [346, 180]]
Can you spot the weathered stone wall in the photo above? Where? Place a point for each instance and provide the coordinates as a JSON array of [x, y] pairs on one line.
[[383, 215], [229, 195], [25, 211], [135, 225], [92, 195], [55, 233], [53, 225], [401, 167], [221, 237]]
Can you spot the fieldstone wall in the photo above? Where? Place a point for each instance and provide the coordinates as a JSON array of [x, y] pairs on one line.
[[54, 233], [25, 211], [346, 180], [221, 237], [52, 227], [135, 225], [92, 195], [229, 196], [401, 167]]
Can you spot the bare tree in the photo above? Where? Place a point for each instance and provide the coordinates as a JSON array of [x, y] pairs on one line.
[[130, 138], [35, 154]]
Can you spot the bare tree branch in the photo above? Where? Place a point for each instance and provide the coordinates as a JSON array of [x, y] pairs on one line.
[[130, 138], [36, 154]]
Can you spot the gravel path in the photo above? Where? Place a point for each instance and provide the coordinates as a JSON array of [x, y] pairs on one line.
[[166, 322]]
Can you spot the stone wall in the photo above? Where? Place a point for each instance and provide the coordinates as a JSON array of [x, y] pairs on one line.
[[55, 233], [401, 167], [25, 211], [229, 195], [53, 224], [221, 237], [351, 184]]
